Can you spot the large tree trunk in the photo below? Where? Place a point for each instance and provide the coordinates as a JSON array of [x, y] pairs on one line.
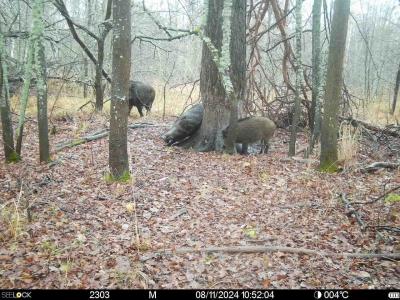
[[329, 151], [41, 84], [217, 107], [216, 113], [121, 63], [396, 90], [6, 122]]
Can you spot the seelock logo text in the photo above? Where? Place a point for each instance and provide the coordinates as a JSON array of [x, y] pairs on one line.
[[16, 295]]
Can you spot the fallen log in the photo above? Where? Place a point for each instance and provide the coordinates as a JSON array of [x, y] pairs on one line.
[[95, 136], [379, 165], [79, 141]]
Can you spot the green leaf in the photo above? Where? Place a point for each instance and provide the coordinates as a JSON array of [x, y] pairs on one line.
[[250, 232], [392, 198]]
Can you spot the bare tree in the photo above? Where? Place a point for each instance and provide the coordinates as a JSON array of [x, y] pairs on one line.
[[315, 113], [334, 82], [121, 63], [85, 58], [23, 102], [218, 86], [7, 129], [299, 74], [36, 64], [316, 68], [41, 81], [105, 28]]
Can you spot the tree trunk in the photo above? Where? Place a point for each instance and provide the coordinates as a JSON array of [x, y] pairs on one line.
[[396, 90], [121, 63], [217, 106], [85, 59], [41, 84], [216, 113], [316, 64], [299, 75], [6, 122], [85, 75], [234, 25], [99, 87], [329, 151], [315, 114], [98, 78], [25, 91]]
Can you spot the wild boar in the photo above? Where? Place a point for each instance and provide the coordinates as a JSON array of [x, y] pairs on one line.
[[251, 130], [141, 95], [185, 125]]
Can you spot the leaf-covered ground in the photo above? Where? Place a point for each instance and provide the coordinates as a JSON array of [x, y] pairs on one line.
[[87, 233]]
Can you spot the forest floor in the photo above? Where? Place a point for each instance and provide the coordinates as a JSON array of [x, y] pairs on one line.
[[87, 233]]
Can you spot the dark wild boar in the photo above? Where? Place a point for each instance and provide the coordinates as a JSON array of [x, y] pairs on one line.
[[251, 130], [187, 124], [141, 95]]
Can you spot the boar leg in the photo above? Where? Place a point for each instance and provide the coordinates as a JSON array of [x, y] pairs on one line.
[[244, 149], [264, 147], [238, 148], [148, 109], [139, 108]]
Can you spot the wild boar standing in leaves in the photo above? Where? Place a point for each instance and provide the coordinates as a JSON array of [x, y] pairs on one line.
[[141, 95], [251, 130]]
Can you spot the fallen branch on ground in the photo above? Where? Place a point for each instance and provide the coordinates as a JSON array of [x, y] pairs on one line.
[[352, 212], [392, 130], [263, 249], [85, 139], [82, 106], [380, 197], [387, 228], [95, 136], [379, 165]]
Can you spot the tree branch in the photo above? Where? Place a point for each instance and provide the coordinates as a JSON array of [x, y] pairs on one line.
[[59, 4]]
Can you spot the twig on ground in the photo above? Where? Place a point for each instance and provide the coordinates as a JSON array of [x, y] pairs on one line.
[[380, 197], [386, 227], [352, 212]]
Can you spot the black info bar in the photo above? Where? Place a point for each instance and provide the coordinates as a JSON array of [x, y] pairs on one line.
[[199, 294]]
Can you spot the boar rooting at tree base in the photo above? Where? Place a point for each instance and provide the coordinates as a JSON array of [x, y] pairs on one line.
[[187, 124]]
